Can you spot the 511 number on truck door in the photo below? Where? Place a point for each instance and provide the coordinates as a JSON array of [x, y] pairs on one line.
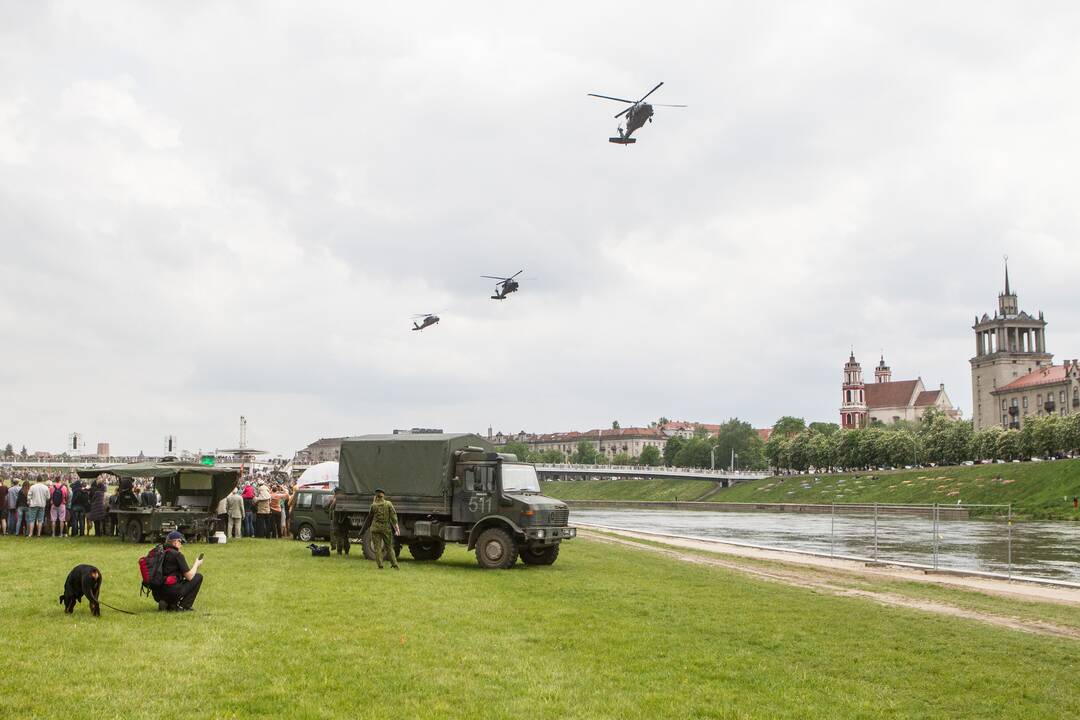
[[479, 486]]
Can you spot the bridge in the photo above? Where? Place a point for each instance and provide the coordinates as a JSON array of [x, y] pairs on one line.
[[726, 478]]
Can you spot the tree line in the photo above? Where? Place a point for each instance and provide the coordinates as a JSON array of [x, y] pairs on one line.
[[934, 439], [736, 441]]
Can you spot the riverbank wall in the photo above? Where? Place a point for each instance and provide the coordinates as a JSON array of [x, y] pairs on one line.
[[949, 512]]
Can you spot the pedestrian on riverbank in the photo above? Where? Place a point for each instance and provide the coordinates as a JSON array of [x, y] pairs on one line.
[[249, 509], [22, 508], [38, 501], [262, 510], [11, 506], [97, 507], [80, 503], [234, 508]]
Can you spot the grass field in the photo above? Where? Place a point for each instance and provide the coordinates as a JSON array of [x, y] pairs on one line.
[[1036, 490], [628, 489], [607, 632]]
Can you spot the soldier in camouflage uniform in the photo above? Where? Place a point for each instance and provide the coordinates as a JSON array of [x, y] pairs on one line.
[[339, 540], [384, 525]]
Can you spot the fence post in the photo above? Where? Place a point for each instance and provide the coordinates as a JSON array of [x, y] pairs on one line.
[[1010, 541], [875, 532], [935, 534], [832, 531]]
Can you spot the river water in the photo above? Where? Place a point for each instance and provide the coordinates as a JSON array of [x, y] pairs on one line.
[[1048, 550]]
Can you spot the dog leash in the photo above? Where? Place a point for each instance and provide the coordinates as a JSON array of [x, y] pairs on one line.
[[126, 612]]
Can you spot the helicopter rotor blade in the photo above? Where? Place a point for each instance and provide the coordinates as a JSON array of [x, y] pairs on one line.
[[625, 111], [649, 93], [663, 105], [492, 277], [516, 274], [608, 97]]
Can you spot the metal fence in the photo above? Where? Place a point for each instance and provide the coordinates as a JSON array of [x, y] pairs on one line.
[[979, 540]]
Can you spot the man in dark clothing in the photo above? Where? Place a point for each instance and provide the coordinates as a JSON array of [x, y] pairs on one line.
[[148, 498], [182, 582], [80, 503]]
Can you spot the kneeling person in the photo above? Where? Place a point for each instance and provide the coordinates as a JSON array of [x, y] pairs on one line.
[[182, 582]]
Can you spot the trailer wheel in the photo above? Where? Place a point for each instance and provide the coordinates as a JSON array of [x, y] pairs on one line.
[[495, 549], [305, 533], [540, 555], [134, 533], [427, 549]]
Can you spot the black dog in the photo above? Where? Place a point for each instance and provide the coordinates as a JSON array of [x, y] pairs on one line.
[[82, 580]]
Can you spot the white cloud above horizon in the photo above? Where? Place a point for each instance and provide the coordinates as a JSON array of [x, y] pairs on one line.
[[211, 210]]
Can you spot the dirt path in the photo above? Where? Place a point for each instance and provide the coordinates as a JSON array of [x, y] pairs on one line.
[[801, 575]]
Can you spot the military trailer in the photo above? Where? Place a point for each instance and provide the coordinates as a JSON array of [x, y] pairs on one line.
[[453, 488], [190, 495]]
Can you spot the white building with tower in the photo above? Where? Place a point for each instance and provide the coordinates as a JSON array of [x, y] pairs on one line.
[[1012, 373]]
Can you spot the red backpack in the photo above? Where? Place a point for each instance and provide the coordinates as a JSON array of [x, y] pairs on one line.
[[152, 569]]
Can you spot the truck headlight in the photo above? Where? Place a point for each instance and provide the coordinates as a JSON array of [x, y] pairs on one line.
[[540, 533]]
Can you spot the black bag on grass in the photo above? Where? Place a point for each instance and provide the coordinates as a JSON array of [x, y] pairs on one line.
[[319, 550]]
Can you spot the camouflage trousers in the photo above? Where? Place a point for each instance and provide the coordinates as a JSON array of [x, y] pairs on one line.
[[339, 541], [383, 541]]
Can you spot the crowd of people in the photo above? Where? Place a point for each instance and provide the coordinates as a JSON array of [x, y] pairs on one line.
[[259, 507], [39, 504]]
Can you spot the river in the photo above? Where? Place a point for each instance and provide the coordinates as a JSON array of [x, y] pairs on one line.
[[1049, 550]]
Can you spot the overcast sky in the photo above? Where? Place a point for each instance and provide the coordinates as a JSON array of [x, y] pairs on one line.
[[210, 209]]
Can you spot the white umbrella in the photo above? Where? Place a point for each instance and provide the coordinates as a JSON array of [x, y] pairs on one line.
[[325, 473]]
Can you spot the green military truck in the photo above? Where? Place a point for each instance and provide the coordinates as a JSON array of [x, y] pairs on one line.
[[190, 495], [453, 488]]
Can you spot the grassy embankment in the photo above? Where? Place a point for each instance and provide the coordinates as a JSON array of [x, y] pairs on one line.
[[608, 632], [628, 489], [1036, 490]]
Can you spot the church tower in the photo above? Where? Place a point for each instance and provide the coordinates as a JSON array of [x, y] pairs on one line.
[[882, 373], [1007, 346], [853, 411]]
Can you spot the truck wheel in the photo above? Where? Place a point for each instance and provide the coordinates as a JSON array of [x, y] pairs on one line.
[[427, 549], [540, 555], [495, 549], [134, 532], [305, 533]]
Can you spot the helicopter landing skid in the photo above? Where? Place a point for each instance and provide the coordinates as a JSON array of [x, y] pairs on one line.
[[622, 141]]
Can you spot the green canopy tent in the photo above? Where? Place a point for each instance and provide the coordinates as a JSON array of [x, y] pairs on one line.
[[175, 479]]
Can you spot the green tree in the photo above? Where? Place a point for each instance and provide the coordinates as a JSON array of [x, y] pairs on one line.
[[1009, 445], [824, 428], [586, 454], [671, 449], [789, 426], [614, 424], [696, 453], [9, 451], [23, 454], [1070, 434], [650, 456], [549, 457], [662, 421], [740, 437], [517, 448], [621, 459], [776, 451]]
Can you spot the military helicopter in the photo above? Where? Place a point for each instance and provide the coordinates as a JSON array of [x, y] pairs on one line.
[[505, 286], [636, 115], [429, 320]]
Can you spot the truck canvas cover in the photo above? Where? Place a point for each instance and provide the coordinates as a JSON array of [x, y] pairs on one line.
[[403, 465]]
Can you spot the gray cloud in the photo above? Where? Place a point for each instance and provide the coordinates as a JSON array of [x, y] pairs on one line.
[[208, 210]]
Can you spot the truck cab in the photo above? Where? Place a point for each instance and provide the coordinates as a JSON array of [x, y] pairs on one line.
[[500, 498]]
